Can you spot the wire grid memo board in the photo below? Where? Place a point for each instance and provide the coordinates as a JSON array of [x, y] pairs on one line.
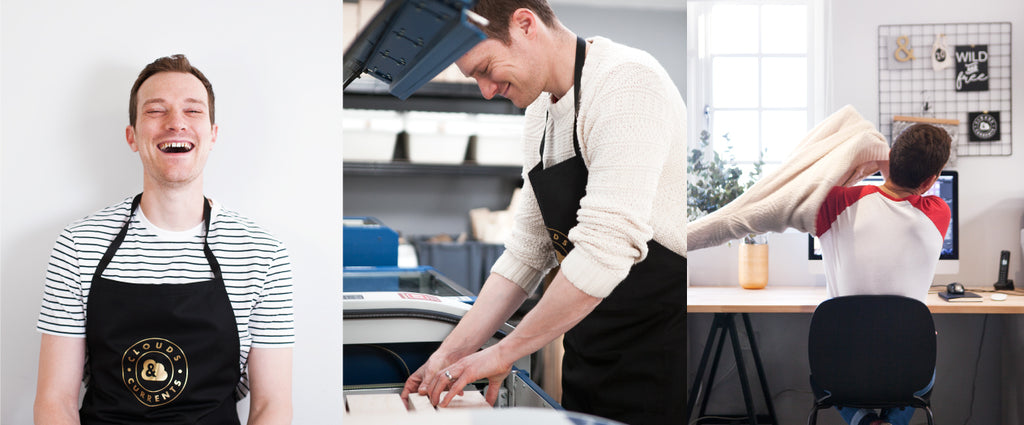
[[912, 87]]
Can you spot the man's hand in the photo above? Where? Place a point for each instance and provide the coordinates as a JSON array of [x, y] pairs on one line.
[[421, 381], [498, 298], [561, 308], [488, 363]]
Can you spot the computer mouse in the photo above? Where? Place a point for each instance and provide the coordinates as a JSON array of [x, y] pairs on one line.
[[955, 288], [998, 296]]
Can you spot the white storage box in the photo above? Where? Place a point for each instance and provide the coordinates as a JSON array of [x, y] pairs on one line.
[[499, 139], [369, 135], [438, 137]]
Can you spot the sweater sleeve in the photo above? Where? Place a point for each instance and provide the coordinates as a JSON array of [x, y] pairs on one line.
[[528, 251], [626, 128]]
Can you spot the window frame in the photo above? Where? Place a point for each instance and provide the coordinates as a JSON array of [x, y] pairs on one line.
[[701, 112]]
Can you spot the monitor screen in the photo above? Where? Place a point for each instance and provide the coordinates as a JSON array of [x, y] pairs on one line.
[[946, 188]]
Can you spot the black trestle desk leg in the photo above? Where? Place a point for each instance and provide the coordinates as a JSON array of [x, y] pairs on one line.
[[760, 369], [696, 389], [741, 369], [691, 400], [723, 330], [724, 324]]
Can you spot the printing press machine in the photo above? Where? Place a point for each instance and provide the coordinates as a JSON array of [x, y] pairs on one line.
[[389, 333], [395, 317]]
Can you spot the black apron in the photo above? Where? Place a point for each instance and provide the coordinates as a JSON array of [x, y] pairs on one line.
[[627, 359], [160, 353]]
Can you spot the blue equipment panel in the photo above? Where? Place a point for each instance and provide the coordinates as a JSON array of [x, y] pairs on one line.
[[367, 242], [376, 364], [409, 42]]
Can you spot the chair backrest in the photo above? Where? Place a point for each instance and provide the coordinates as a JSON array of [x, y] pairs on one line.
[[872, 349]]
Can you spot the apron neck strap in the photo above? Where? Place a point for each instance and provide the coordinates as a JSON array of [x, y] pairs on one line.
[[214, 264], [207, 208], [581, 56], [109, 254], [577, 77]]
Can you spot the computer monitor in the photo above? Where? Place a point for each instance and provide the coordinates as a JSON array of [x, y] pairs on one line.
[[946, 188]]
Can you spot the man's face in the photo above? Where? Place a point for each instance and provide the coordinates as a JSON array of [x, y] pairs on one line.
[[503, 70], [172, 133]]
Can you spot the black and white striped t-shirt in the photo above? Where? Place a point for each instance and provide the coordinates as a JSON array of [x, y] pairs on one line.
[[255, 266]]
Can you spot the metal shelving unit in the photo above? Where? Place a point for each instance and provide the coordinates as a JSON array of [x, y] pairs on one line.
[[398, 168]]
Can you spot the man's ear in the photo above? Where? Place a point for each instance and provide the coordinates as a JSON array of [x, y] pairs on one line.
[[129, 134], [524, 22]]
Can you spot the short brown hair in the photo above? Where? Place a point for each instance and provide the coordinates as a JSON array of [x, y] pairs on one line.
[[917, 154], [173, 63], [499, 13]]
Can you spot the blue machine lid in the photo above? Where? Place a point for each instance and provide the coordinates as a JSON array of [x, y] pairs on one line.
[[408, 42]]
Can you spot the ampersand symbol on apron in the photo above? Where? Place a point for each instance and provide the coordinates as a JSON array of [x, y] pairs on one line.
[[154, 371]]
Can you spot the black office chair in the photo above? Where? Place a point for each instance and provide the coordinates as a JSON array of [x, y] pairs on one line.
[[871, 352]]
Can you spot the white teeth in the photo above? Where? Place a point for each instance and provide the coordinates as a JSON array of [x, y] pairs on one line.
[[175, 146]]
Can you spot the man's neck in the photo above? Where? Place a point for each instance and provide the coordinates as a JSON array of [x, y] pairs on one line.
[[562, 63], [173, 209], [896, 191]]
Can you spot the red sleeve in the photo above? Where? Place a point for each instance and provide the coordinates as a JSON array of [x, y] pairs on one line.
[[835, 202], [937, 210]]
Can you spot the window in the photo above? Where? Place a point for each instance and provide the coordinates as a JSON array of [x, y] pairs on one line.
[[757, 76]]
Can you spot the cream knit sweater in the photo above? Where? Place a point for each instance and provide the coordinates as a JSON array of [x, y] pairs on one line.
[[632, 132], [840, 151]]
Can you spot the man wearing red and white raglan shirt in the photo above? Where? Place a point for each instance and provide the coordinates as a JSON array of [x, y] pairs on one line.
[[887, 239]]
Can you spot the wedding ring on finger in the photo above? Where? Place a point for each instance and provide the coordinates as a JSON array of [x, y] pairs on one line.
[[448, 375]]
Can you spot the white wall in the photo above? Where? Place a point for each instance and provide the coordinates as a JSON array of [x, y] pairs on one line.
[[276, 70]]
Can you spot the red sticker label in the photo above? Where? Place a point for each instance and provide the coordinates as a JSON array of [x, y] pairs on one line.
[[413, 296]]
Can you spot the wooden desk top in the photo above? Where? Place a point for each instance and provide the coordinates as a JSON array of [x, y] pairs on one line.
[[804, 299]]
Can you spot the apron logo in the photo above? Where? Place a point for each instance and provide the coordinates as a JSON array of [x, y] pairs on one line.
[[155, 371], [561, 243]]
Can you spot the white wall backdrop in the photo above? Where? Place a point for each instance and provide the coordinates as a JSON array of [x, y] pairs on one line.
[[67, 68]]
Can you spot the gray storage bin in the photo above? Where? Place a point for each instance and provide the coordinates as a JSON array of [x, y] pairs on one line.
[[466, 263]]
